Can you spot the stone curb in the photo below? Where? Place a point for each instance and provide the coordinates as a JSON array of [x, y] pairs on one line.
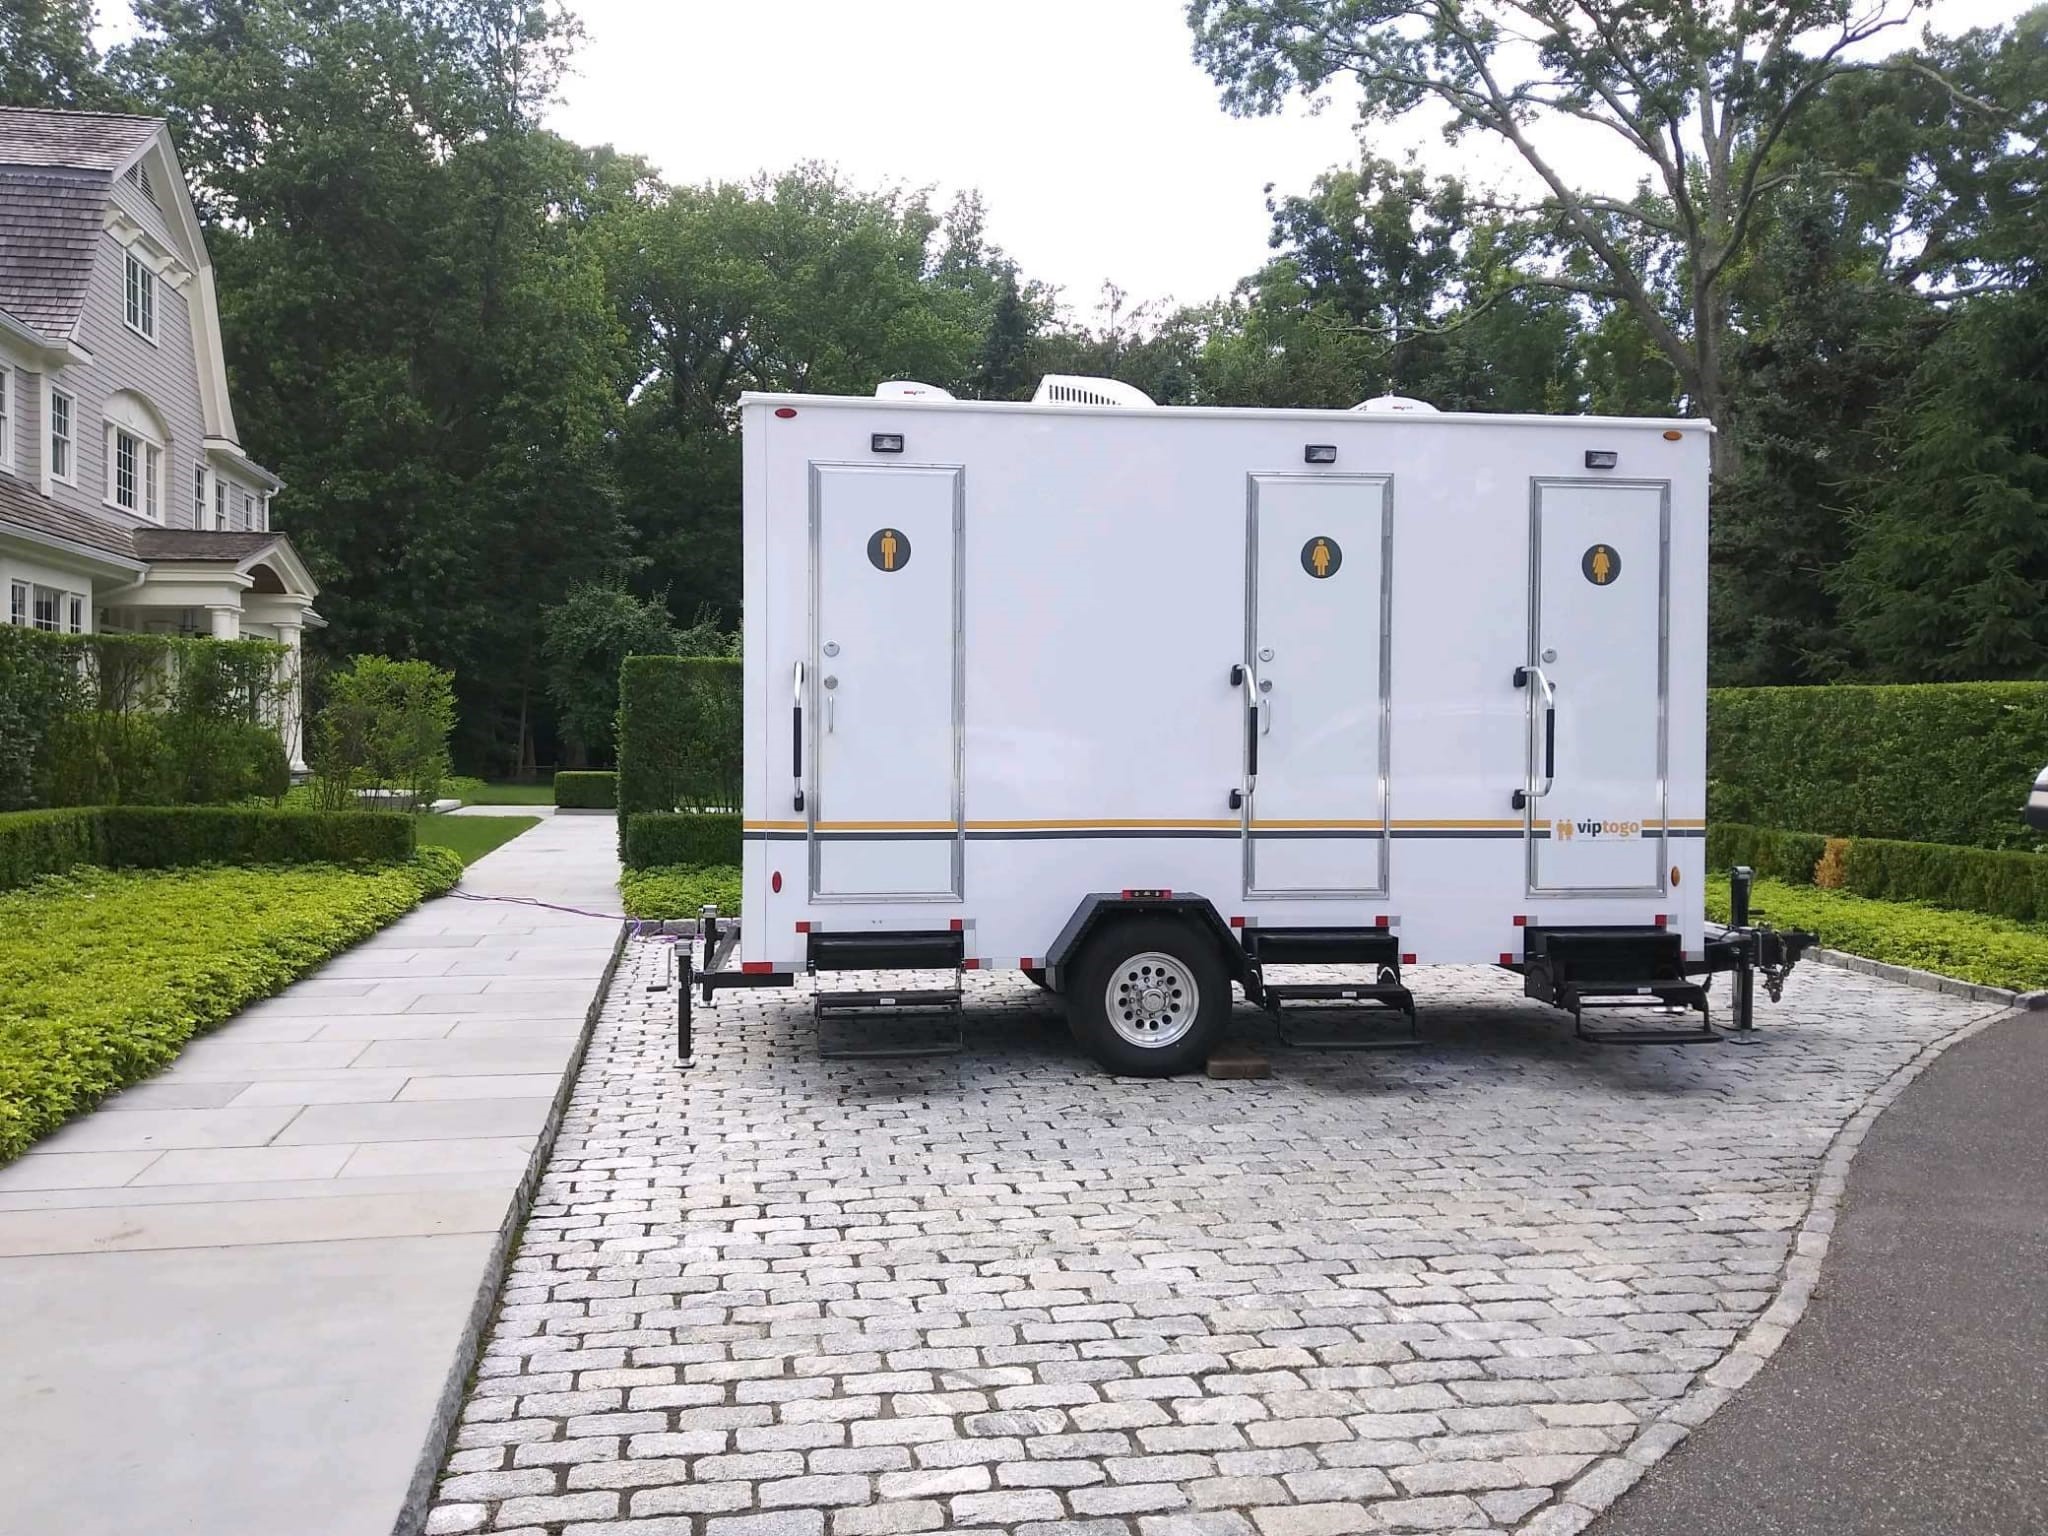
[[1932, 981], [419, 1495], [1601, 1484]]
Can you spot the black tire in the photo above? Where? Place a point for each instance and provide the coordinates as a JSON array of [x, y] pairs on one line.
[[1035, 974], [1089, 978]]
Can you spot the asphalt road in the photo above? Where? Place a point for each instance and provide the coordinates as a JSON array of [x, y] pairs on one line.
[[1913, 1396]]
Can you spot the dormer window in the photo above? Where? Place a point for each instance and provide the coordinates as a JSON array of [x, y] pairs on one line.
[[198, 495], [135, 472], [141, 298], [220, 505], [63, 445]]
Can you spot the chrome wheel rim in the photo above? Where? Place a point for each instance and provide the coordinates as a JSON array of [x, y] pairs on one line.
[[1152, 1000]]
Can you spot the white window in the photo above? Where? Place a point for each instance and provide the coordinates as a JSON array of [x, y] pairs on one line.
[[220, 504], [126, 468], [141, 298], [48, 603], [152, 482], [248, 510], [17, 602], [198, 495], [63, 443], [263, 514], [74, 608], [6, 417]]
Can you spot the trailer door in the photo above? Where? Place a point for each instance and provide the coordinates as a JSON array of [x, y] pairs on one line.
[[886, 683], [1317, 598], [1596, 680]]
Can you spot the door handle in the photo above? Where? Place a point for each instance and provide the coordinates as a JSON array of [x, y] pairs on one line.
[[796, 735], [1530, 793], [1242, 677]]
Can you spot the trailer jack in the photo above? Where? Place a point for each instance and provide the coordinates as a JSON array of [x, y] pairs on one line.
[[1747, 950]]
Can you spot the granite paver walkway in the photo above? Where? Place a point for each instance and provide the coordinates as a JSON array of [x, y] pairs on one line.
[[234, 1295]]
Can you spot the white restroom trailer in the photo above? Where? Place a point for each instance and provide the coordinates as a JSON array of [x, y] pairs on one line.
[[1150, 702]]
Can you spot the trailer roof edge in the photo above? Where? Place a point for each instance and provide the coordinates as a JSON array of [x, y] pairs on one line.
[[1230, 412]]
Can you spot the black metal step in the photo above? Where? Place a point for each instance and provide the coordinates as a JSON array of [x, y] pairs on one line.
[[934, 951], [895, 1002], [1392, 995], [1322, 946]]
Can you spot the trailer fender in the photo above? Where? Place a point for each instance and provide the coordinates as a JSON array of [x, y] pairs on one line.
[[1101, 908]]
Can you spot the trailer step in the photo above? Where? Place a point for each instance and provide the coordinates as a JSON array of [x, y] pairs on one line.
[[917, 1021], [1322, 946], [893, 1002], [1611, 997], [867, 951], [1359, 1021]]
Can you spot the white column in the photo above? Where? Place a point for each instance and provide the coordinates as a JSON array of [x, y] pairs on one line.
[[293, 703], [227, 622]]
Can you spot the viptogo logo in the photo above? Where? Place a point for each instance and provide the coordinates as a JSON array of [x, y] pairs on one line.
[[1565, 830]]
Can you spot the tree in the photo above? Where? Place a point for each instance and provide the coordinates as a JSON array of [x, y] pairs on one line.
[[588, 634], [47, 56], [1699, 98]]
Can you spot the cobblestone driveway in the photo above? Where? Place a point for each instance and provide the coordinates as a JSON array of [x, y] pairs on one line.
[[779, 1296]]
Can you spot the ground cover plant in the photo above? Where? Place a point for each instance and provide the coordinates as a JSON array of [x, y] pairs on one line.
[[680, 890]]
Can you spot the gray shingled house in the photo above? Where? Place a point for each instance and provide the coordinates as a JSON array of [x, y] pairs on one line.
[[126, 501]]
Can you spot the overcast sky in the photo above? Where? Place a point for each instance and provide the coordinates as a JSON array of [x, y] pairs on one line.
[[1098, 144]]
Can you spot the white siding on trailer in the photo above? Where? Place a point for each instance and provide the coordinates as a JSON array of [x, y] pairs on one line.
[[165, 374], [1105, 606]]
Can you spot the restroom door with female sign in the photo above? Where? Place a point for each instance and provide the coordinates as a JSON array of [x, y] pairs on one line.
[[1316, 674], [1595, 687], [885, 686]]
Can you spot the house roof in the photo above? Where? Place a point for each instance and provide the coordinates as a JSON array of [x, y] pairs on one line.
[[80, 141], [196, 544], [49, 227], [55, 172], [22, 508]]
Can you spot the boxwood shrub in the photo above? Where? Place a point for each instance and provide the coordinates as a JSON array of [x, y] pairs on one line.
[[707, 837], [2007, 884], [1926, 763], [36, 843], [680, 890], [587, 791]]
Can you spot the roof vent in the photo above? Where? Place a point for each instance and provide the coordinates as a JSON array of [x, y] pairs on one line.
[[909, 389], [1075, 389], [1394, 405]]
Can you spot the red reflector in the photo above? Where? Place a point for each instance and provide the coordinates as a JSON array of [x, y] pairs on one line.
[[1025, 964], [803, 927], [775, 882], [1407, 959], [1380, 921], [958, 925], [1237, 922], [757, 967], [1660, 919], [785, 411], [970, 965], [1506, 958], [1521, 922]]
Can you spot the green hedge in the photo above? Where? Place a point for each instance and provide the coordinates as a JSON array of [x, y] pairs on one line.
[[1924, 763], [36, 843], [1991, 951], [104, 976], [2000, 884], [587, 791], [655, 838], [679, 734]]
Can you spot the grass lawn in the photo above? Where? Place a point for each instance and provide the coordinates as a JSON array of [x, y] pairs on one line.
[[105, 975], [477, 792], [679, 890], [470, 837], [1991, 951]]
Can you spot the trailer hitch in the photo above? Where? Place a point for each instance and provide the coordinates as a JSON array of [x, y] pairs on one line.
[[1747, 950]]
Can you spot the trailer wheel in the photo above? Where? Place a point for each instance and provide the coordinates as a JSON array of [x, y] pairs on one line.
[[1148, 997]]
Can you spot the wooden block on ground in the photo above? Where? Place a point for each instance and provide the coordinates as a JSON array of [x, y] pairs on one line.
[[1233, 1058]]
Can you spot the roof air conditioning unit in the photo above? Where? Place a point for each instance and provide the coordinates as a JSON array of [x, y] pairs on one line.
[[1076, 389], [909, 389], [1393, 405]]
